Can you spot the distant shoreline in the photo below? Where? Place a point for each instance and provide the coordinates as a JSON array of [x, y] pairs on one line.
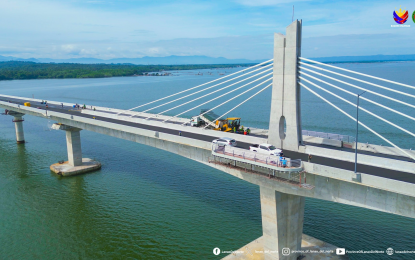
[[21, 70]]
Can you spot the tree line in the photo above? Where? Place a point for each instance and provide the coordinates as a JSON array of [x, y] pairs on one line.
[[10, 70]]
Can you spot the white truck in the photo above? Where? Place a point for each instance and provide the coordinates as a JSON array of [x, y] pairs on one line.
[[265, 149], [196, 121]]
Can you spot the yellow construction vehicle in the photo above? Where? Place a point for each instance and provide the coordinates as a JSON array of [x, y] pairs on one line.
[[209, 119], [229, 124]]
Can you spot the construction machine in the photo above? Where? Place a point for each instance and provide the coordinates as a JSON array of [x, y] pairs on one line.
[[228, 124], [220, 124]]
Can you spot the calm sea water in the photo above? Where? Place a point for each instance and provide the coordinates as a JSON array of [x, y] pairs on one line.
[[149, 204]]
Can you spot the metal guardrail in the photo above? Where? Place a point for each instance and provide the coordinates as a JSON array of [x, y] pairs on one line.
[[292, 174], [270, 160], [344, 138]]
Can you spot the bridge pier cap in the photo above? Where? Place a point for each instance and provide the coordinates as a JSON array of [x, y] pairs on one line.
[[285, 117]]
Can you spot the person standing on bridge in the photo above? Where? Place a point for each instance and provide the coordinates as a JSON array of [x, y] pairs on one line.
[[284, 162]]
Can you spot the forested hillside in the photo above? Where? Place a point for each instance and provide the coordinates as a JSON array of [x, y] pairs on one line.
[[30, 70]]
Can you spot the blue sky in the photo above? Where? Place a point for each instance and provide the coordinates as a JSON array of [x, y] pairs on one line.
[[232, 29]]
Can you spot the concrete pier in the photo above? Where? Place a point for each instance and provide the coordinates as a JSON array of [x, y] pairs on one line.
[[75, 164], [282, 223], [18, 123], [65, 169], [73, 143]]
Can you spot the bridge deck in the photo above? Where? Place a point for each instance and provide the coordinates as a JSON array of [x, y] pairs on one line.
[[209, 137]]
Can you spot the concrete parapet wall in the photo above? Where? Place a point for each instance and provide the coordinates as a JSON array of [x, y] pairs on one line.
[[362, 159], [111, 110], [366, 179], [381, 149], [324, 141], [107, 128], [177, 127]]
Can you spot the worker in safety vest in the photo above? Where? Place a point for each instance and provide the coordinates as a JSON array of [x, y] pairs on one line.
[[248, 131]]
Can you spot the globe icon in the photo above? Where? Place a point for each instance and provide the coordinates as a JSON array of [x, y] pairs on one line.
[[389, 251]]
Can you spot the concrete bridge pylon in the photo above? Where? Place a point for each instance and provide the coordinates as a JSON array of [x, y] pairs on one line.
[[285, 117], [283, 214]]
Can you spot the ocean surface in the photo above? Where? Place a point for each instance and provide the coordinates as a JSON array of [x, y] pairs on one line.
[[146, 203]]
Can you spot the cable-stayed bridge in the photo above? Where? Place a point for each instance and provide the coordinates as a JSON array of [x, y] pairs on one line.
[[383, 178]]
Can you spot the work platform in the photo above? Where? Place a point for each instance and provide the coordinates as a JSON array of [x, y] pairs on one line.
[[261, 164], [254, 158]]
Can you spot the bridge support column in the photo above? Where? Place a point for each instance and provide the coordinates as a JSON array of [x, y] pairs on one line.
[[75, 164], [285, 118], [282, 224], [18, 124], [73, 143]]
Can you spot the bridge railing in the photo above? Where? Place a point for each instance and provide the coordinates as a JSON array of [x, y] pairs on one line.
[[255, 157], [344, 138]]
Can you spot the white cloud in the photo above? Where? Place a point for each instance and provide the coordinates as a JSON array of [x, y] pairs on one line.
[[68, 48], [51, 29]]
